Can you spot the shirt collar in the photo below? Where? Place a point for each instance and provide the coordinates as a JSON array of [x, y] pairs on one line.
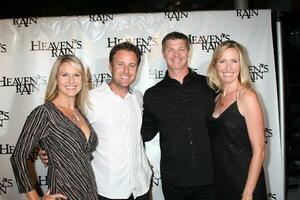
[[108, 89], [188, 77]]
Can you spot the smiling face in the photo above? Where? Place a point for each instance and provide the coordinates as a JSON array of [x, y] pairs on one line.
[[228, 66], [69, 80], [176, 54], [123, 67]]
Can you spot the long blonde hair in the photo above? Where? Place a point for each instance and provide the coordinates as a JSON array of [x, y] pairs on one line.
[[81, 100], [214, 80]]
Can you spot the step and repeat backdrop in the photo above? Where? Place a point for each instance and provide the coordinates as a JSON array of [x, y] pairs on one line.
[[29, 46]]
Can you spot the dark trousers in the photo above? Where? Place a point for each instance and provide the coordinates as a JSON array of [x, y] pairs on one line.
[[143, 197], [172, 192]]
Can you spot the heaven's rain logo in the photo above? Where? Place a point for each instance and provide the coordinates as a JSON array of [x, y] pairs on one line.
[[57, 48], [176, 15], [158, 74], [144, 44], [25, 22], [97, 79], [247, 14], [24, 85], [101, 18], [208, 42], [257, 72]]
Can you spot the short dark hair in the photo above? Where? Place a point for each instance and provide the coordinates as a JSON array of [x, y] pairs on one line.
[[174, 36], [125, 46]]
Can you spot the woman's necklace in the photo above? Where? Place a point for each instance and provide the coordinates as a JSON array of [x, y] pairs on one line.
[[74, 116]]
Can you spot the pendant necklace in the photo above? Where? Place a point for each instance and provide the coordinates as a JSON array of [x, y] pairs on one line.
[[75, 118]]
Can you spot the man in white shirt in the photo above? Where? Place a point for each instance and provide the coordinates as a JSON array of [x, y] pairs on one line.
[[120, 164]]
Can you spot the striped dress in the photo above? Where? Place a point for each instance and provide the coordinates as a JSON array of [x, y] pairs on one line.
[[69, 154]]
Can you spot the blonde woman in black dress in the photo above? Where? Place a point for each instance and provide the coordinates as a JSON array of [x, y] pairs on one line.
[[236, 127], [60, 127]]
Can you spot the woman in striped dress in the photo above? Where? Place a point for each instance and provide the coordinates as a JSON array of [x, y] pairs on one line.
[[60, 127]]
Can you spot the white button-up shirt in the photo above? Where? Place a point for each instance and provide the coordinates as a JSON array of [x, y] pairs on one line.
[[120, 163]]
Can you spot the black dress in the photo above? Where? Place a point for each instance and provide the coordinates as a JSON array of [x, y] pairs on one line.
[[231, 155]]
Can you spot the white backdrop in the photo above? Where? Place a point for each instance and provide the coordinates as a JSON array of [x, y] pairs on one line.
[[29, 46]]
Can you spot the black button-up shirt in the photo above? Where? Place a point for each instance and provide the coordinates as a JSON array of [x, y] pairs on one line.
[[177, 111]]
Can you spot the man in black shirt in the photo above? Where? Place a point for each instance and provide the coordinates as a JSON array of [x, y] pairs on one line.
[[176, 108]]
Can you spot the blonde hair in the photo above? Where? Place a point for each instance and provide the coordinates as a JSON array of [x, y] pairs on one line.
[[81, 100], [214, 80]]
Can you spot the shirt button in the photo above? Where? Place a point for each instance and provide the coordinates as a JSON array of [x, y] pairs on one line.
[[191, 142], [189, 128], [193, 157]]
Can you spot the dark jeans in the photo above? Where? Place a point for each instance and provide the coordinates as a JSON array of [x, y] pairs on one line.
[[143, 197], [172, 192]]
